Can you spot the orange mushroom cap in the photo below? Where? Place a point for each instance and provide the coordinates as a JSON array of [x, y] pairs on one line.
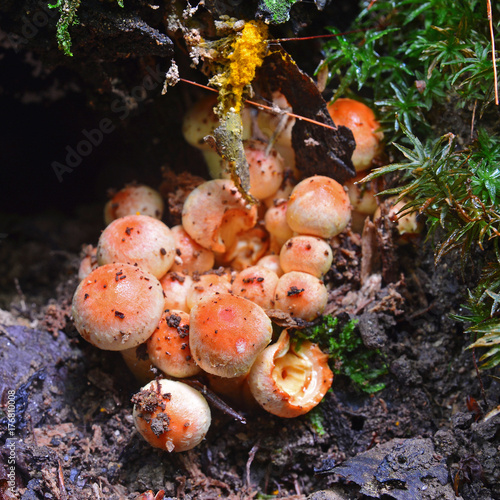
[[302, 295], [361, 120], [257, 284], [227, 333], [117, 306], [318, 206], [134, 200], [138, 239], [289, 379], [176, 287], [205, 285], [168, 347], [307, 254], [171, 415]]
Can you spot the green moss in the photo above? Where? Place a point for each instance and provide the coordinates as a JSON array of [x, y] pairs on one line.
[[277, 11], [68, 10], [347, 354]]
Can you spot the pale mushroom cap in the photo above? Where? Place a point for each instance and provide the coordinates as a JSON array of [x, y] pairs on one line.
[[407, 224], [205, 285], [190, 257], [168, 347], [215, 212], [200, 121], [361, 120], [257, 284], [275, 222], [88, 262], [227, 333], [289, 380], [307, 254], [318, 206], [117, 306], [269, 122], [361, 196], [176, 287], [171, 415], [137, 361], [290, 180], [271, 262], [302, 295], [138, 239], [134, 200]]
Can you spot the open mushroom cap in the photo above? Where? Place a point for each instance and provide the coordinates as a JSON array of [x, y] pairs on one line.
[[289, 379], [227, 333], [168, 347], [140, 240], [215, 212], [134, 200], [302, 295], [307, 254], [246, 250], [318, 206], [366, 129], [171, 415], [117, 306]]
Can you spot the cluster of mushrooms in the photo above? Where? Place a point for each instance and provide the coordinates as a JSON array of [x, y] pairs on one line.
[[198, 298]]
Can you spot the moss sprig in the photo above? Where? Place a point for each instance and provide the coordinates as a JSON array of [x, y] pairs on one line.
[[68, 10], [347, 353]]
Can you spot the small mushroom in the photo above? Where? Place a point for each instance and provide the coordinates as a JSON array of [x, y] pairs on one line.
[[140, 240], [171, 415], [271, 262], [117, 306], [200, 121], [205, 285], [215, 213], [289, 378], [302, 295], [318, 206], [277, 226], [246, 250], [176, 287], [257, 284], [168, 347], [307, 254], [137, 361], [265, 169], [134, 200], [227, 333], [366, 130]]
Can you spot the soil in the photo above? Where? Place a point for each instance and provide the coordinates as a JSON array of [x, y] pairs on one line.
[[431, 433]]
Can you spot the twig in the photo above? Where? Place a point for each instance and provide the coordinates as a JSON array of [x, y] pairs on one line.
[[492, 35], [263, 106]]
